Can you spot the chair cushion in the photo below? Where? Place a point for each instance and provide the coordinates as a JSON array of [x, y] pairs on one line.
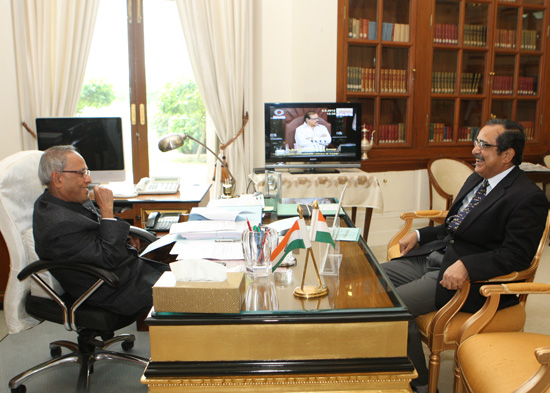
[[86, 317], [510, 319], [499, 362]]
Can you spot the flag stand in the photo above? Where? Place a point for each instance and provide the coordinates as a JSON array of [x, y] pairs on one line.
[[310, 291]]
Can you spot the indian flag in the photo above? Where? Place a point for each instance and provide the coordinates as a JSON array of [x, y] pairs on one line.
[[296, 237], [319, 231]]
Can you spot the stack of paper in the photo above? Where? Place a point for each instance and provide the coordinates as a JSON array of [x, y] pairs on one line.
[[228, 213], [243, 200], [209, 229]]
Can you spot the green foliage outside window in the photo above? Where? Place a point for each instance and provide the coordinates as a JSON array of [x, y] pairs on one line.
[[181, 110], [95, 94]]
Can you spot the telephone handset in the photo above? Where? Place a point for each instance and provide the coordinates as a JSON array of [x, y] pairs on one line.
[[158, 185], [161, 221]]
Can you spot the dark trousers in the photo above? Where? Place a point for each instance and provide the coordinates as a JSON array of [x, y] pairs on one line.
[[415, 279]]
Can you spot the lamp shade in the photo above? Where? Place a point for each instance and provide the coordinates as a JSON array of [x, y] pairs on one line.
[[171, 142]]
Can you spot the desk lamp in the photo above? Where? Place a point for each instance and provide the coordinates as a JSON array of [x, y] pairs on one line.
[[174, 141]]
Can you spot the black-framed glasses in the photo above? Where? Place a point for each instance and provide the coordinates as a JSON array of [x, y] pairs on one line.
[[482, 144], [82, 172]]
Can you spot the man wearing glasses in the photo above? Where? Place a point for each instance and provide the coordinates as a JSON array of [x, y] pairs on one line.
[[493, 228], [312, 136], [68, 227]]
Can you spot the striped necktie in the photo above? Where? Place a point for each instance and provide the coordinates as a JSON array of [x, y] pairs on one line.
[[454, 221]]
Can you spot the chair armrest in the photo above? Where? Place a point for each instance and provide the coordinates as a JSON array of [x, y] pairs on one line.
[[142, 234], [408, 217], [108, 277], [477, 322]]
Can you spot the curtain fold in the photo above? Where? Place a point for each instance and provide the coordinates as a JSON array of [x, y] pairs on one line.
[[52, 43], [218, 34]]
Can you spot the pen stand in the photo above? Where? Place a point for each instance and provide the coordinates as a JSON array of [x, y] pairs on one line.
[[257, 245]]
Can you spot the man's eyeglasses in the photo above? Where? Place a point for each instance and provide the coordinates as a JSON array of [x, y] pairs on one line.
[[82, 172], [482, 144], [314, 118]]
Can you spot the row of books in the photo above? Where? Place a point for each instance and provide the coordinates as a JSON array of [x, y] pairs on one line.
[[528, 128], [363, 80], [444, 82], [467, 134], [445, 33], [527, 85], [529, 39], [362, 28], [505, 39], [391, 133], [440, 133], [366, 30], [475, 35]]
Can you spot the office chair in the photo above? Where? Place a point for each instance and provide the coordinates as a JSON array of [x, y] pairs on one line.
[[26, 305], [446, 176], [439, 330]]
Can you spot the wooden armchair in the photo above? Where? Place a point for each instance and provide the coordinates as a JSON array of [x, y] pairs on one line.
[[440, 329], [502, 362], [446, 176]]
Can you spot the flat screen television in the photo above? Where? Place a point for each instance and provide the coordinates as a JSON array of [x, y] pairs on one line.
[[341, 148], [97, 139]]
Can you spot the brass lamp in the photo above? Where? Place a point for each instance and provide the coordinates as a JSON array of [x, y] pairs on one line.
[[174, 141]]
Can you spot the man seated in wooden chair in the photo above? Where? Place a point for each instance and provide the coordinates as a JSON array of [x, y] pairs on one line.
[[493, 228]]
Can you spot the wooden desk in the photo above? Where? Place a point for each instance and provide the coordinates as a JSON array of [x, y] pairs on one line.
[[354, 339], [363, 190], [137, 209]]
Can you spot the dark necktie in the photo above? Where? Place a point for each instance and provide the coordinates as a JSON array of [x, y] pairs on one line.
[[456, 220]]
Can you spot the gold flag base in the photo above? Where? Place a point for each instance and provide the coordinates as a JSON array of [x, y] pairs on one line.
[[311, 291]]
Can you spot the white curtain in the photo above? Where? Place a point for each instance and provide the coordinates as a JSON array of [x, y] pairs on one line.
[[218, 34], [52, 42]]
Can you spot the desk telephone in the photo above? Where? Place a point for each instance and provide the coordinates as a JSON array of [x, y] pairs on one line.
[[158, 185], [161, 221]]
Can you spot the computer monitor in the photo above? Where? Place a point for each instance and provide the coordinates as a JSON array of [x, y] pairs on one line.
[[97, 139]]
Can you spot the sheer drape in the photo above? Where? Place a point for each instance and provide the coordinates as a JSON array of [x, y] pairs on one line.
[[219, 40], [52, 42]]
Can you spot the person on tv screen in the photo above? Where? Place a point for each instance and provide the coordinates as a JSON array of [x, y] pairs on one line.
[[312, 136]]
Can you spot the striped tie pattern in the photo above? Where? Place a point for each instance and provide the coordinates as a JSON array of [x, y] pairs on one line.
[[454, 221]]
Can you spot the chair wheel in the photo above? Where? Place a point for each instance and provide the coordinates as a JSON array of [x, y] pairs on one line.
[[127, 345], [19, 389], [107, 336], [55, 352]]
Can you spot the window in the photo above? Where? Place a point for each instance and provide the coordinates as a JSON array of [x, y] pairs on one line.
[[138, 69]]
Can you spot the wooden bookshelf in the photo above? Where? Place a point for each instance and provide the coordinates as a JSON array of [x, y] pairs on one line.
[[429, 73]]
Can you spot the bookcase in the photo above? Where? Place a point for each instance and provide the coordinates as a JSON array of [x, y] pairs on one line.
[[429, 73]]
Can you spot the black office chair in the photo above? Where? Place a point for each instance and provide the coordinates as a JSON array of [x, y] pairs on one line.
[[95, 327]]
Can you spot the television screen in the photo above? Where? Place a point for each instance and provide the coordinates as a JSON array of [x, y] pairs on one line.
[[97, 139], [312, 133]]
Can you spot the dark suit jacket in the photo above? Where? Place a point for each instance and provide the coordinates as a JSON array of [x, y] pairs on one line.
[[499, 236], [72, 232]]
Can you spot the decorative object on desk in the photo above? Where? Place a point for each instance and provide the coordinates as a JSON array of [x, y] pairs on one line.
[[318, 232], [174, 141], [257, 242], [273, 186], [366, 145], [332, 258]]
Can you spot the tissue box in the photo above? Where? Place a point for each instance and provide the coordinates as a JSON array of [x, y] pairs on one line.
[[227, 296]]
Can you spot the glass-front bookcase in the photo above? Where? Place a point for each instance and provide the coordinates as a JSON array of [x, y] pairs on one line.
[[430, 73]]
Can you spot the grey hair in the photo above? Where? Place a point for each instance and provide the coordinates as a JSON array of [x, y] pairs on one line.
[[53, 160]]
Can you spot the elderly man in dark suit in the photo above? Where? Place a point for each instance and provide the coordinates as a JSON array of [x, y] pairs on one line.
[[68, 227], [493, 228]]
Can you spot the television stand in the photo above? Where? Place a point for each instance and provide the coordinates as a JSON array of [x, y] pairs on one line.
[[312, 171]]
